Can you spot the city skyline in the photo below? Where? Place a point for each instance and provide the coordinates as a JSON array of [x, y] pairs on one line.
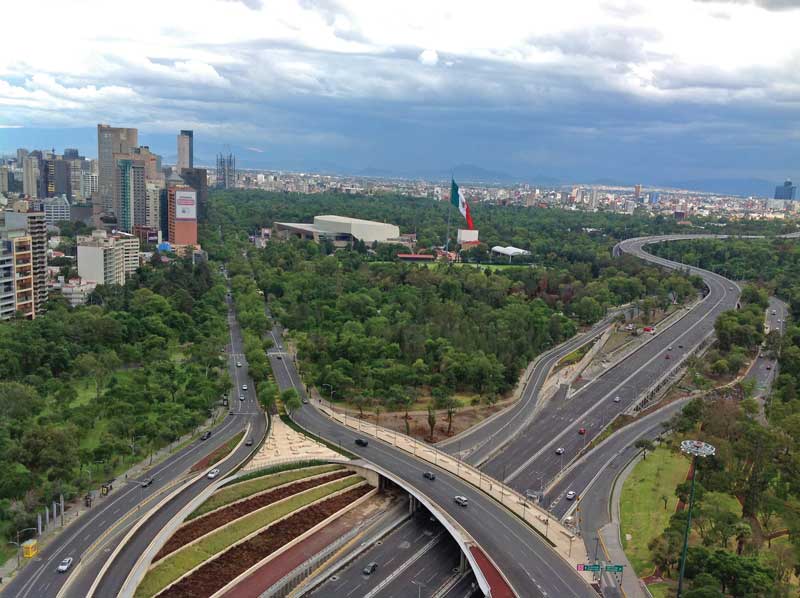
[[663, 93]]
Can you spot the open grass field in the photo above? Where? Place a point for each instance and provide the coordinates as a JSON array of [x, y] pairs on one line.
[[642, 512]]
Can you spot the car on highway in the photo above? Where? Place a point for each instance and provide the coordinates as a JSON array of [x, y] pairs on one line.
[[241, 397], [571, 495], [370, 568], [669, 348], [560, 450], [680, 346], [64, 565], [238, 364], [667, 356], [581, 431], [213, 473], [205, 436], [774, 312], [429, 475], [769, 367], [244, 386], [279, 357], [730, 288], [249, 442], [305, 401], [362, 442], [461, 501], [146, 482], [617, 399]]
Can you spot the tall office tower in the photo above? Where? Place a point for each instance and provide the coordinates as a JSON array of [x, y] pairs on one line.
[[152, 163], [785, 191], [152, 217], [56, 209], [226, 171], [88, 185], [71, 153], [30, 177], [129, 191], [594, 199], [110, 141], [107, 259], [181, 213], [54, 178], [22, 153], [20, 217], [637, 193], [4, 179], [185, 150], [197, 179]]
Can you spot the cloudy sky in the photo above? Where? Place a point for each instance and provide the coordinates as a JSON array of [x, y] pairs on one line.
[[650, 91]]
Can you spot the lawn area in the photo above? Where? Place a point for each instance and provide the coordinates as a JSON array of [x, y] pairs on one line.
[[642, 512], [175, 565], [235, 492], [660, 590]]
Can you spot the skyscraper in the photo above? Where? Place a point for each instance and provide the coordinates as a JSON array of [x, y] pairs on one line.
[[30, 176], [785, 191], [181, 212], [226, 171], [130, 192], [55, 178], [111, 140], [34, 223], [185, 150]]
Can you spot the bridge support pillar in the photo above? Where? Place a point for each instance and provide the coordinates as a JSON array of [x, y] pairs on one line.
[[462, 562]]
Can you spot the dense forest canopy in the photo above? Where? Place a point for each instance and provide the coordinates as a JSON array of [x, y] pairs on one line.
[[86, 391]]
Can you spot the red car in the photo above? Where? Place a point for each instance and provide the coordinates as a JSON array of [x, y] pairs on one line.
[[581, 431], [667, 356]]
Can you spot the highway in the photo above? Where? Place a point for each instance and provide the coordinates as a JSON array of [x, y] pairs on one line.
[[529, 462], [109, 517], [522, 554], [243, 412]]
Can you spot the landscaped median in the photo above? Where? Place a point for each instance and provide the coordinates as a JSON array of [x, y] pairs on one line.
[[217, 454], [241, 536]]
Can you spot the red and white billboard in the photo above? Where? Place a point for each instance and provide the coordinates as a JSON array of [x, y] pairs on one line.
[[185, 205]]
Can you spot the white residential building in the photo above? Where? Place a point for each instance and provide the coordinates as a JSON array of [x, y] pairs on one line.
[[107, 259]]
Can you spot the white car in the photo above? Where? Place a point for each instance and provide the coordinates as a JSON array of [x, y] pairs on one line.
[[244, 386], [571, 495], [213, 473], [461, 500], [64, 565], [617, 399], [238, 364], [560, 450]]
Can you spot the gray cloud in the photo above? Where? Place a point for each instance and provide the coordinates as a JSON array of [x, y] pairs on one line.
[[765, 4]]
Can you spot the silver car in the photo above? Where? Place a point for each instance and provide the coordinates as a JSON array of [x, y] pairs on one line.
[[64, 565], [213, 473]]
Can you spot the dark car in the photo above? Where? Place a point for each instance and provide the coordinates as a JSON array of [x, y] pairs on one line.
[[205, 436], [361, 442], [581, 431], [249, 442], [429, 475], [146, 482], [279, 357], [370, 568]]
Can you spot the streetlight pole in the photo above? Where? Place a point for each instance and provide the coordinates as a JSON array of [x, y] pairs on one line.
[[695, 449], [17, 543]]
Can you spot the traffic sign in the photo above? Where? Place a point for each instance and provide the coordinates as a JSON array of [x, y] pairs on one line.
[[614, 568], [582, 567]]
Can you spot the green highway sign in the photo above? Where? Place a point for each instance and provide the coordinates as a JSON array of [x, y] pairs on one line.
[[594, 568], [614, 568]]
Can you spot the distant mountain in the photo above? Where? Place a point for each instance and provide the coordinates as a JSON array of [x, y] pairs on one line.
[[470, 172], [744, 186]]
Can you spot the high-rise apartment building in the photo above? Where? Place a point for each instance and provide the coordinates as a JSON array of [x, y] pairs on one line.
[[4, 173], [107, 259], [786, 191], [110, 141], [88, 185], [129, 191], [22, 153], [30, 177], [185, 150], [21, 217], [54, 178], [8, 303], [152, 215], [197, 179]]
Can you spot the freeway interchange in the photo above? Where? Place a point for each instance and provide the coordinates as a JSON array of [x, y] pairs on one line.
[[525, 459]]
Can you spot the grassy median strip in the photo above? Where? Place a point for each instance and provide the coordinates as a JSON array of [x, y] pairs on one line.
[[218, 454], [241, 490], [642, 511], [260, 473], [172, 567]]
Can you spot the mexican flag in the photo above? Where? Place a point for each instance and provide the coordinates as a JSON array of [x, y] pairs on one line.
[[457, 199]]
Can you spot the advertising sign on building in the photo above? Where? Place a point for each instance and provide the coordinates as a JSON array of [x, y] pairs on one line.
[[185, 205]]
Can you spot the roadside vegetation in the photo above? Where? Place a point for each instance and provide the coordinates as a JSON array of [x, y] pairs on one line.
[[86, 392], [217, 454]]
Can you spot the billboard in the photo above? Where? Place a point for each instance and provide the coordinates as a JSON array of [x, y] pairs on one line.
[[185, 205]]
